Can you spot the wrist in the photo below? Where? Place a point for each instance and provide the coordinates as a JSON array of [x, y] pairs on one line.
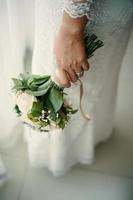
[[72, 25], [71, 33]]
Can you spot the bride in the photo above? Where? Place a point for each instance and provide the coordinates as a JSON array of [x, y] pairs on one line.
[[52, 32]]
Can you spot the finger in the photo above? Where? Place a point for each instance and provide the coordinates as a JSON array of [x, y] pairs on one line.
[[86, 65], [62, 77], [72, 75], [77, 68]]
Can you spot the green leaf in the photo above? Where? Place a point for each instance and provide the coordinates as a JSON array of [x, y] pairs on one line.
[[62, 124], [58, 120], [37, 107], [40, 90], [41, 80], [37, 80], [18, 88], [48, 105], [33, 87], [38, 93], [56, 99], [45, 85], [17, 82], [38, 77]]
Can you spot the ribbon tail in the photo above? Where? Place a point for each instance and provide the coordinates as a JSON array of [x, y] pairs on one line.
[[84, 115]]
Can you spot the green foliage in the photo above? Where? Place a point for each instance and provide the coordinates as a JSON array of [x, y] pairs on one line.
[[31, 84], [56, 99], [48, 105], [38, 93], [37, 107], [18, 84], [92, 43]]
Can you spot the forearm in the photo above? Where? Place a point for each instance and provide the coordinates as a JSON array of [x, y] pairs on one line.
[[72, 25], [69, 47]]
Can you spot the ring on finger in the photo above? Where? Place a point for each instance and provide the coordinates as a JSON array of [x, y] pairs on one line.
[[80, 74]]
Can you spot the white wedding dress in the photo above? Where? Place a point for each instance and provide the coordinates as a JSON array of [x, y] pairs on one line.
[[28, 27]]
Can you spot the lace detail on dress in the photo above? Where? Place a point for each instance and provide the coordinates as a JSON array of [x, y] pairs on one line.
[[77, 8]]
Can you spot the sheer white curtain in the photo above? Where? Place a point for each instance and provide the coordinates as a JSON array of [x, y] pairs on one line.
[[16, 33]]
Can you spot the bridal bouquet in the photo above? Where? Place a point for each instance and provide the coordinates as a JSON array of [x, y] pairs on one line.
[[40, 102]]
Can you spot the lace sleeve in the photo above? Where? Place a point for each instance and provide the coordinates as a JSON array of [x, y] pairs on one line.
[[77, 8]]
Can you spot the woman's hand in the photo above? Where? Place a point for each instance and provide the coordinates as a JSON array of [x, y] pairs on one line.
[[69, 49]]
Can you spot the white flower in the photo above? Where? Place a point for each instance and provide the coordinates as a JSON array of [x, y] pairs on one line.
[[43, 111], [24, 102], [57, 115]]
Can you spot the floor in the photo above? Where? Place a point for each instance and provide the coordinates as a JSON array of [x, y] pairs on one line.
[[109, 178]]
